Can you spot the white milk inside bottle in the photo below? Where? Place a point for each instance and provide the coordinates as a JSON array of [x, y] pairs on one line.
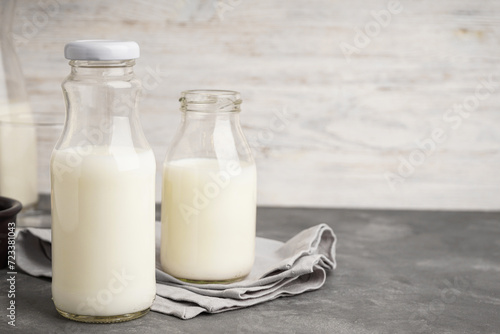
[[103, 220], [18, 156], [208, 219]]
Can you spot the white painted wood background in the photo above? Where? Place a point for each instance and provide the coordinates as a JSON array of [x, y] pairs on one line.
[[348, 123]]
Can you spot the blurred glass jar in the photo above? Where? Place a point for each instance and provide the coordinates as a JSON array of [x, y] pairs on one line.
[[18, 154], [47, 126], [209, 192]]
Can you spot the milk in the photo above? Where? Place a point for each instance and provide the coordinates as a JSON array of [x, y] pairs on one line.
[[18, 156], [208, 219], [103, 230]]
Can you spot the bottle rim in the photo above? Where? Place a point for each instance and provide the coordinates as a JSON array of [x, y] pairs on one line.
[[210, 100]]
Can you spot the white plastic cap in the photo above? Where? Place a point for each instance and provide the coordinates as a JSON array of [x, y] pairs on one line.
[[101, 50]]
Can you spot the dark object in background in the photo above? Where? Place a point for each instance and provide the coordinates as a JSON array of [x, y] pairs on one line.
[[9, 208]]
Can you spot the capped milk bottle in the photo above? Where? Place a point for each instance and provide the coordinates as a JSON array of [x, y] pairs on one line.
[[209, 192], [102, 190]]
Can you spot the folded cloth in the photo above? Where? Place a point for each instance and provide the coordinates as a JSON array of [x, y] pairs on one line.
[[280, 269]]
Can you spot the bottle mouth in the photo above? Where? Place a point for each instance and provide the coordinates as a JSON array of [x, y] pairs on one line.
[[206, 100]]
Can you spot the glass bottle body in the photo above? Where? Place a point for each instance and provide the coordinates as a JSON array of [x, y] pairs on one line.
[[209, 193], [18, 155], [102, 198]]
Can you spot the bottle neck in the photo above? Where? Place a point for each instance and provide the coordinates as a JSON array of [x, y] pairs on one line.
[[101, 100], [214, 118], [210, 128], [107, 68], [210, 111]]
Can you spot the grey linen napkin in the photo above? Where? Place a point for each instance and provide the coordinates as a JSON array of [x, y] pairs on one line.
[[280, 269]]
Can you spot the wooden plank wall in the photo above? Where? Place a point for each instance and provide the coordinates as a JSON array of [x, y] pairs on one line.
[[358, 87]]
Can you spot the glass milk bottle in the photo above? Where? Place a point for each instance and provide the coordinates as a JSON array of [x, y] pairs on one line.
[[209, 192], [102, 190], [18, 156]]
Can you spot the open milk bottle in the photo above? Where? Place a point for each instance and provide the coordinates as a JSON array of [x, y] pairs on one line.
[[102, 190], [209, 192]]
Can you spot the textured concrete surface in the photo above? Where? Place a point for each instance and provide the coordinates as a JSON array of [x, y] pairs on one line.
[[398, 272]]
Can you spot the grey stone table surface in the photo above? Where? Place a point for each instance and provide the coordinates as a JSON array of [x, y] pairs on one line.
[[398, 272]]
